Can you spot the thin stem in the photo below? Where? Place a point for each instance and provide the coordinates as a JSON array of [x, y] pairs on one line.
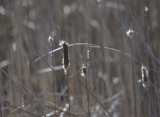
[[0, 105], [86, 80], [68, 94], [134, 90], [54, 81]]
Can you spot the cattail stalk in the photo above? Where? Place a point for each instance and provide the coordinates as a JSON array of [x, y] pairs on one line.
[[66, 56], [66, 64], [65, 61], [144, 77]]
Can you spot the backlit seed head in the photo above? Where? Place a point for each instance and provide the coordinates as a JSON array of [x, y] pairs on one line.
[[88, 54], [61, 43], [130, 33], [65, 60], [144, 76], [146, 8], [84, 70], [50, 40]]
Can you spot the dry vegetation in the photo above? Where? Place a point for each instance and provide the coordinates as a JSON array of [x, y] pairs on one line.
[[110, 55]]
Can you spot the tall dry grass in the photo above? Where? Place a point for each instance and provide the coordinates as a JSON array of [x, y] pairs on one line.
[[116, 42]]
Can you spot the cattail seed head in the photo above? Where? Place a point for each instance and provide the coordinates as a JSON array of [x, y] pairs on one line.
[[65, 61], [84, 70], [50, 40], [88, 54], [144, 77], [129, 33], [146, 8]]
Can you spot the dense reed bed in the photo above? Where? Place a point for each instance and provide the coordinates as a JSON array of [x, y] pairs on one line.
[[79, 58]]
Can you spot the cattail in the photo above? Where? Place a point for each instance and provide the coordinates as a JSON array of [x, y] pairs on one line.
[[65, 61], [129, 33], [88, 54], [144, 74], [144, 77], [84, 70], [51, 38], [146, 8]]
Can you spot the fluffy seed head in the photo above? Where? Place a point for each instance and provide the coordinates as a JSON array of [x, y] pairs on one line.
[[129, 33], [50, 40], [88, 54], [84, 70], [65, 61], [146, 8], [144, 78]]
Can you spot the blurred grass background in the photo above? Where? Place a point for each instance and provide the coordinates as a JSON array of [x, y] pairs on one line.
[[111, 84]]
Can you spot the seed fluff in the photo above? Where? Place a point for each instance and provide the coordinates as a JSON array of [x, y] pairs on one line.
[[144, 77], [129, 33], [83, 71]]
